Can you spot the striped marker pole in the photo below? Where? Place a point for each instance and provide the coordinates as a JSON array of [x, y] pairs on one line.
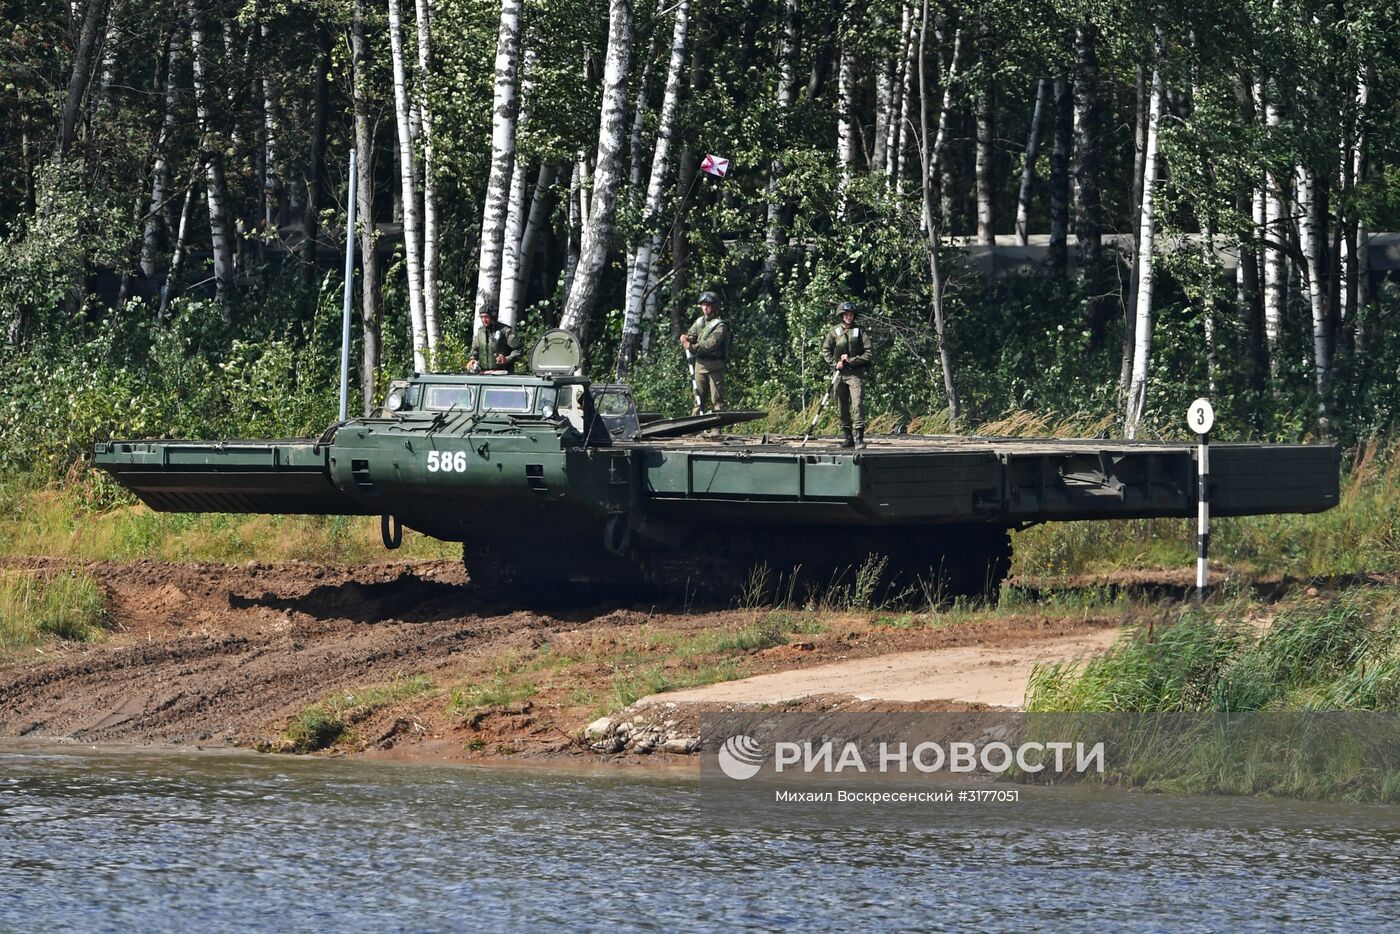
[[1201, 418], [1202, 514]]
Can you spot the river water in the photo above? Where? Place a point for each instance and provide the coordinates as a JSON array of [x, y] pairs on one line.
[[154, 841]]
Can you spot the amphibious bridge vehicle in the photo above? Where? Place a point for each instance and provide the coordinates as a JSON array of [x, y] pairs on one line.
[[548, 479]]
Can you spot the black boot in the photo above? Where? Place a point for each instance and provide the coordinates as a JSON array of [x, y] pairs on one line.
[[848, 442], [860, 437]]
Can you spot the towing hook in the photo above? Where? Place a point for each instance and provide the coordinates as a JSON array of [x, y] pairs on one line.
[[617, 535], [391, 531]]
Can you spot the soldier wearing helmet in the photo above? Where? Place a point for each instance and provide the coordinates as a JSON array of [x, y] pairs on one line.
[[708, 341], [847, 351]]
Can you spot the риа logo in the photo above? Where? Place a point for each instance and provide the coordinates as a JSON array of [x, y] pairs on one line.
[[740, 757]]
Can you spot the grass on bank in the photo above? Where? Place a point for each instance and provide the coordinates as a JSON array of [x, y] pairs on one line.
[[35, 607], [1339, 654], [323, 724], [1213, 703], [63, 521]]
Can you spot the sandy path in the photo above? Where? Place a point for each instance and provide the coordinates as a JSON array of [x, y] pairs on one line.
[[986, 675]]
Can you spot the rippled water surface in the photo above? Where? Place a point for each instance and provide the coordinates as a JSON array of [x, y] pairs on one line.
[[168, 841]]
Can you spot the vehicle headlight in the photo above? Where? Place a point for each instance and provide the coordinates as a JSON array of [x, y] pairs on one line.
[[394, 400]]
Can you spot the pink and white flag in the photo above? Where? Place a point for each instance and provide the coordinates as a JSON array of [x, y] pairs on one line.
[[715, 165]]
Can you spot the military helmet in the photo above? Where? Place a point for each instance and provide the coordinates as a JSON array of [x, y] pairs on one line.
[[707, 298], [844, 307]]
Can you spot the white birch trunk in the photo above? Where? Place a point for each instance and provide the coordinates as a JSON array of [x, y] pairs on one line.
[[845, 122], [1354, 291], [885, 105], [539, 211], [1023, 198], [411, 231], [503, 115], [585, 190], [424, 9], [895, 138], [160, 175], [982, 170], [1275, 238], [272, 133], [775, 236], [515, 216], [370, 331], [212, 154], [643, 265], [573, 226], [177, 252], [928, 171], [639, 114], [612, 134], [1313, 285], [1142, 332]]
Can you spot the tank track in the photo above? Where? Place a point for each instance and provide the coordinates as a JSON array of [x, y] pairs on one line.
[[707, 569], [942, 563], [494, 577]]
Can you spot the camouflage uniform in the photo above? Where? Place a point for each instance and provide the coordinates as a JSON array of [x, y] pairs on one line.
[[497, 339], [852, 341], [709, 341]]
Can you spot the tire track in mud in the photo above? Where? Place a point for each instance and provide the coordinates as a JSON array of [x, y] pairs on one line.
[[207, 653]]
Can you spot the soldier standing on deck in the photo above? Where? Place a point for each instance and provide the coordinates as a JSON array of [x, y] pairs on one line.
[[847, 351], [495, 346], [708, 340]]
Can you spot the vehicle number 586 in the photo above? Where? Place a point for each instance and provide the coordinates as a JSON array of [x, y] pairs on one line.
[[447, 460]]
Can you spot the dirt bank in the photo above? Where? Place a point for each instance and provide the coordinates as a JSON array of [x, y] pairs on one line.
[[213, 655]]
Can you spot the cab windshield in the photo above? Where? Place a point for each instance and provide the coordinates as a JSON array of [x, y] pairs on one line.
[[449, 398]]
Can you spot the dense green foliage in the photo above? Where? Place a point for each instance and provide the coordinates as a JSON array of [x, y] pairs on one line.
[[89, 354]]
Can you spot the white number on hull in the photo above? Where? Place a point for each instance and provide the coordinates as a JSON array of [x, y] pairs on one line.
[[447, 461]]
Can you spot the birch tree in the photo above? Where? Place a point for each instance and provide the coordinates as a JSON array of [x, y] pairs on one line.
[[607, 173], [1313, 284], [536, 221], [775, 235], [1142, 341], [643, 265], [364, 195], [424, 9], [272, 132], [1057, 256], [1275, 240], [845, 119], [1023, 197], [931, 156], [160, 174], [212, 156], [899, 128], [80, 76], [982, 170], [511, 245], [412, 230], [503, 114]]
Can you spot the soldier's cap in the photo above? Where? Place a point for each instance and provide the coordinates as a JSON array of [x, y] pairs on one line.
[[707, 298], [844, 307]]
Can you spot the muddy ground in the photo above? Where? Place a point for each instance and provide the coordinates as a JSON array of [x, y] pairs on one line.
[[214, 655]]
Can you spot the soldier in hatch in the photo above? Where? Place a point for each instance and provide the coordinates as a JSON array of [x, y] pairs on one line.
[[495, 346]]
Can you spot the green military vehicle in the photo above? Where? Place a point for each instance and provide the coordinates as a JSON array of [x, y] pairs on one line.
[[549, 480]]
